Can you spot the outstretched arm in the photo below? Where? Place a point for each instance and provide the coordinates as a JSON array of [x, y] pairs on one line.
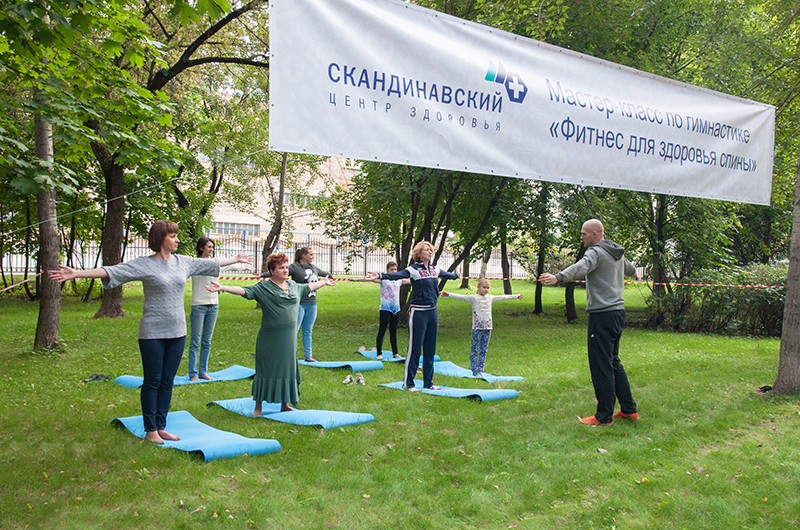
[[241, 258], [66, 273], [547, 279], [365, 279], [217, 288], [320, 284]]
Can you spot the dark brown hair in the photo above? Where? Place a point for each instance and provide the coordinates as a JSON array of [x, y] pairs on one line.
[[275, 260], [390, 265], [159, 232], [201, 245], [300, 252]]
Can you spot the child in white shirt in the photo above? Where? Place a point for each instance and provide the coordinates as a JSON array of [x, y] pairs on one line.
[[481, 321], [390, 307]]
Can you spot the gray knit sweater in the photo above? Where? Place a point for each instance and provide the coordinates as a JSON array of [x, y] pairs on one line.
[[163, 282]]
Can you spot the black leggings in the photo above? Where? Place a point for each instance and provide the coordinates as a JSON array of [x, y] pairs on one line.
[[387, 319]]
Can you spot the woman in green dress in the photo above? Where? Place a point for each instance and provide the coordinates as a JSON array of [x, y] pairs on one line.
[[277, 377]]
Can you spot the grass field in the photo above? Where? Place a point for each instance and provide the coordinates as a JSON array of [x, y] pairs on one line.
[[711, 450]]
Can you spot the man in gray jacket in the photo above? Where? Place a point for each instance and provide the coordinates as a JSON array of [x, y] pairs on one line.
[[604, 266]]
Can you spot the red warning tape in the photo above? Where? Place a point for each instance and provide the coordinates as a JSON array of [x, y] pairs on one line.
[[20, 283], [576, 281]]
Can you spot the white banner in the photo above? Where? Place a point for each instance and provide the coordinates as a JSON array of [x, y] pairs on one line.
[[393, 82]]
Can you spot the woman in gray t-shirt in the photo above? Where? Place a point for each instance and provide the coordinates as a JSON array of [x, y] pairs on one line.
[[162, 330]]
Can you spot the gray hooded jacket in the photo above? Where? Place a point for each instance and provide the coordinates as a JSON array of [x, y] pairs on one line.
[[604, 266]]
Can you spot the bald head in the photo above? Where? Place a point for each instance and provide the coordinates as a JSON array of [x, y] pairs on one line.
[[591, 232]]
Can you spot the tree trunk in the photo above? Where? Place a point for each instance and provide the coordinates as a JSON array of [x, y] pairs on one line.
[[505, 264], [465, 278], [275, 232], [114, 174], [788, 379], [569, 292], [485, 262], [49, 292], [538, 309]]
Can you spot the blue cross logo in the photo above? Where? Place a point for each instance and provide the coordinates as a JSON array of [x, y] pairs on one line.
[[515, 86]]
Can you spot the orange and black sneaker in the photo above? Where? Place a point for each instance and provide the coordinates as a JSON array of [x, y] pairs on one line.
[[591, 420], [622, 416]]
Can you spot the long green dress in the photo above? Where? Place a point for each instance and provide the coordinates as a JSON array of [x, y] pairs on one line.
[[277, 377]]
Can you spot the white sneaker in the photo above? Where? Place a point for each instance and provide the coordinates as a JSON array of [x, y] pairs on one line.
[[360, 380], [348, 380]]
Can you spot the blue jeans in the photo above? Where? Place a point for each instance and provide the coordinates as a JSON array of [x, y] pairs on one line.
[[160, 361], [305, 319], [477, 352], [202, 319]]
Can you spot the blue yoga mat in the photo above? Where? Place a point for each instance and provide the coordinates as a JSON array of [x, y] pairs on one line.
[[202, 440], [388, 356], [231, 373], [326, 419], [356, 366], [446, 391], [453, 370]]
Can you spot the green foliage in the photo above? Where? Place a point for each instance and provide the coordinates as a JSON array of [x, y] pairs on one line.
[[727, 310]]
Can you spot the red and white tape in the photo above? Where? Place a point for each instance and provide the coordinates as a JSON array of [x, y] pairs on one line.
[[674, 284]]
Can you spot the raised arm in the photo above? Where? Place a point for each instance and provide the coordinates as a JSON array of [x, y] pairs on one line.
[[232, 289], [366, 279], [320, 284], [66, 273], [241, 258], [456, 296]]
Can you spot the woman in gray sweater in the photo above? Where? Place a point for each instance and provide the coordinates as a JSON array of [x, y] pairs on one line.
[[162, 330]]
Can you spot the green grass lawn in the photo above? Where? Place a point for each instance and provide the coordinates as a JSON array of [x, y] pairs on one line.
[[711, 451]]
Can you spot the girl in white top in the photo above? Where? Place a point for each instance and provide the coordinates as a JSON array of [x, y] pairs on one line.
[[390, 307], [481, 321]]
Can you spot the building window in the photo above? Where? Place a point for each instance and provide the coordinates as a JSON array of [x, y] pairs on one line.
[[234, 228]]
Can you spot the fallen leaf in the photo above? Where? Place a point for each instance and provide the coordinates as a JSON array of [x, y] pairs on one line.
[[197, 510], [497, 487], [601, 450], [215, 514], [366, 496], [367, 453], [243, 471]]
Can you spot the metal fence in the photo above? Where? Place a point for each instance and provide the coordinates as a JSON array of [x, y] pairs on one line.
[[328, 256]]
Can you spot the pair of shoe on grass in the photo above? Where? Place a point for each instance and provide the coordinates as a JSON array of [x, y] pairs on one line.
[[358, 379], [591, 420]]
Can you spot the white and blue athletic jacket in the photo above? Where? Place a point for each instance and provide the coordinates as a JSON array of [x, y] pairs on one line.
[[424, 283]]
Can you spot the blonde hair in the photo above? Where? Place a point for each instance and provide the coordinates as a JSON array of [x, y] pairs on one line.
[[484, 281], [418, 249]]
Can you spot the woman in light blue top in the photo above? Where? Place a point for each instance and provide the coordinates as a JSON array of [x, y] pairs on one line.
[[162, 330]]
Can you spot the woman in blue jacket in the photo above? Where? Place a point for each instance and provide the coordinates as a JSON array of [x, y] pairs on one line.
[[423, 318]]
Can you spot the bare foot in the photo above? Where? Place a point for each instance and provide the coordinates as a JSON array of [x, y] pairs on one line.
[[206, 376], [194, 378], [152, 436], [286, 408], [379, 357], [257, 412], [168, 436]]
